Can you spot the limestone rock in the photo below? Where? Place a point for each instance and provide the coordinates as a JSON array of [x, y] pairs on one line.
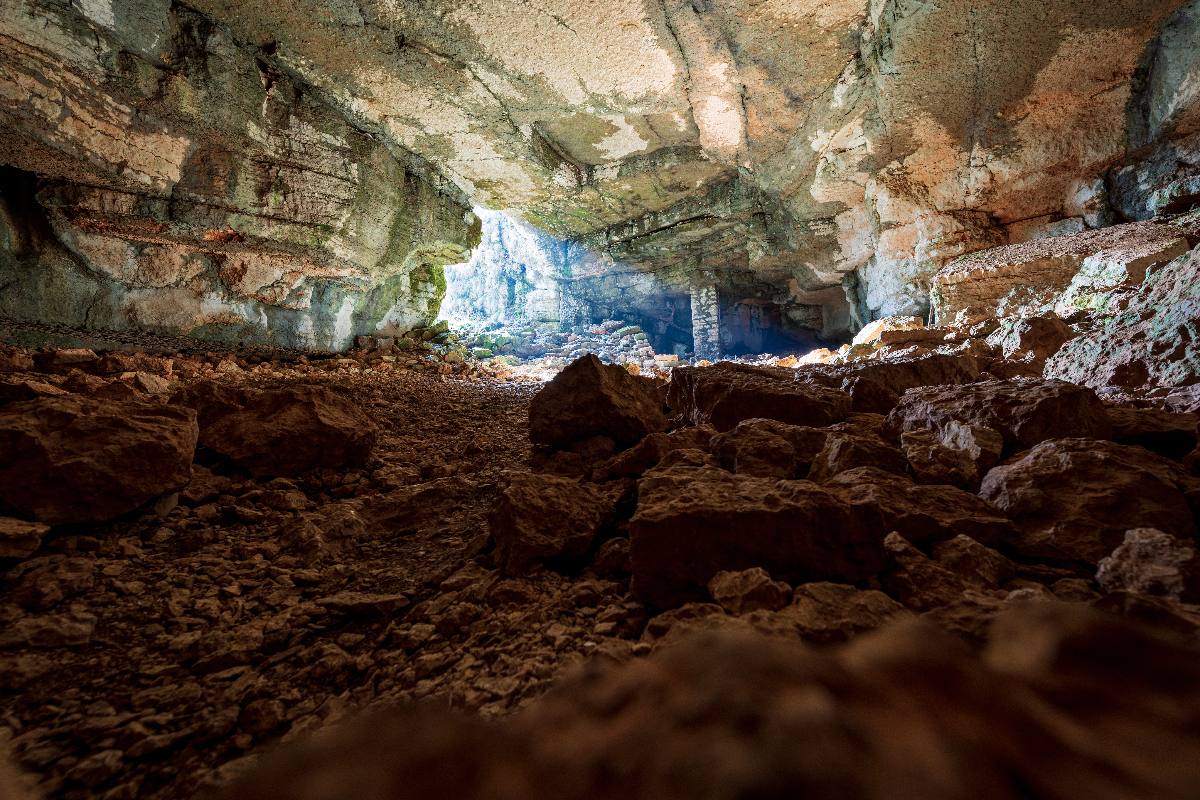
[[900, 373], [74, 460], [873, 331], [748, 590], [1023, 411], [1031, 340], [1148, 343], [834, 612], [845, 451], [1167, 433], [932, 462], [647, 453], [545, 518], [1152, 562], [767, 448], [283, 432], [825, 722], [589, 399], [1073, 499], [726, 394], [916, 580], [921, 514], [693, 522], [19, 538], [973, 563], [1028, 278]]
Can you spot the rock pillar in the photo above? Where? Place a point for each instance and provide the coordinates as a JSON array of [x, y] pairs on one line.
[[706, 321]]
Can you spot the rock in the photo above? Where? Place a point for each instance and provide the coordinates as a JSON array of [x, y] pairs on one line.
[[49, 630], [981, 444], [899, 373], [14, 390], [870, 395], [282, 432], [363, 603], [976, 565], [921, 514], [1146, 344], [733, 714], [932, 462], [543, 518], [75, 460], [824, 613], [725, 394], [872, 331], [915, 580], [1031, 340], [1073, 499], [647, 453], [767, 448], [846, 451], [65, 359], [19, 538], [693, 522], [1023, 411], [748, 590], [15, 361], [1152, 562], [1028, 278], [589, 399], [1169, 434]]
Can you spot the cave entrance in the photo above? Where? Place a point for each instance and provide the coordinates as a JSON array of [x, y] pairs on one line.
[[762, 327], [668, 324]]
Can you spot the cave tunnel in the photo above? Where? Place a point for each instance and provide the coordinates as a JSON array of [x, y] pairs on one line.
[[496, 400]]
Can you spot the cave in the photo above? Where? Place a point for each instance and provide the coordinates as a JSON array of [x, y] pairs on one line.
[[498, 401]]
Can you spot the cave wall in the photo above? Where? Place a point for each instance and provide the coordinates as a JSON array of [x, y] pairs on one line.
[[163, 176], [799, 154]]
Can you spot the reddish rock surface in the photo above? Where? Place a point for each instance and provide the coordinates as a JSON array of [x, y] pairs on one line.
[[590, 399], [75, 460], [286, 431], [1024, 412], [693, 522], [546, 518], [726, 394], [1073, 499]]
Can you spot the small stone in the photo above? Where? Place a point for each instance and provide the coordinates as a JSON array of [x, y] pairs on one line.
[[1152, 562], [748, 590]]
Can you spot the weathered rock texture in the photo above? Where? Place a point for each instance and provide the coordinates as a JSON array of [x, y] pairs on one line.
[[163, 173], [299, 172]]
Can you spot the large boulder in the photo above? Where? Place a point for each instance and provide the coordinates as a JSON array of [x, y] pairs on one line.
[[767, 448], [1074, 499], [1150, 343], [693, 522], [281, 432], [920, 513], [589, 399], [76, 460], [1031, 340], [1023, 411], [725, 394], [542, 518], [899, 372]]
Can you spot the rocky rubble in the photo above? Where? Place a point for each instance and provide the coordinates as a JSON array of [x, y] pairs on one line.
[[353, 534]]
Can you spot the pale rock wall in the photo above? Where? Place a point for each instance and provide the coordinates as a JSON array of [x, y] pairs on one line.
[[788, 148], [185, 186]]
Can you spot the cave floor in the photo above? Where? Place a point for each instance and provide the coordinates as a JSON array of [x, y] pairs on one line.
[[158, 656]]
